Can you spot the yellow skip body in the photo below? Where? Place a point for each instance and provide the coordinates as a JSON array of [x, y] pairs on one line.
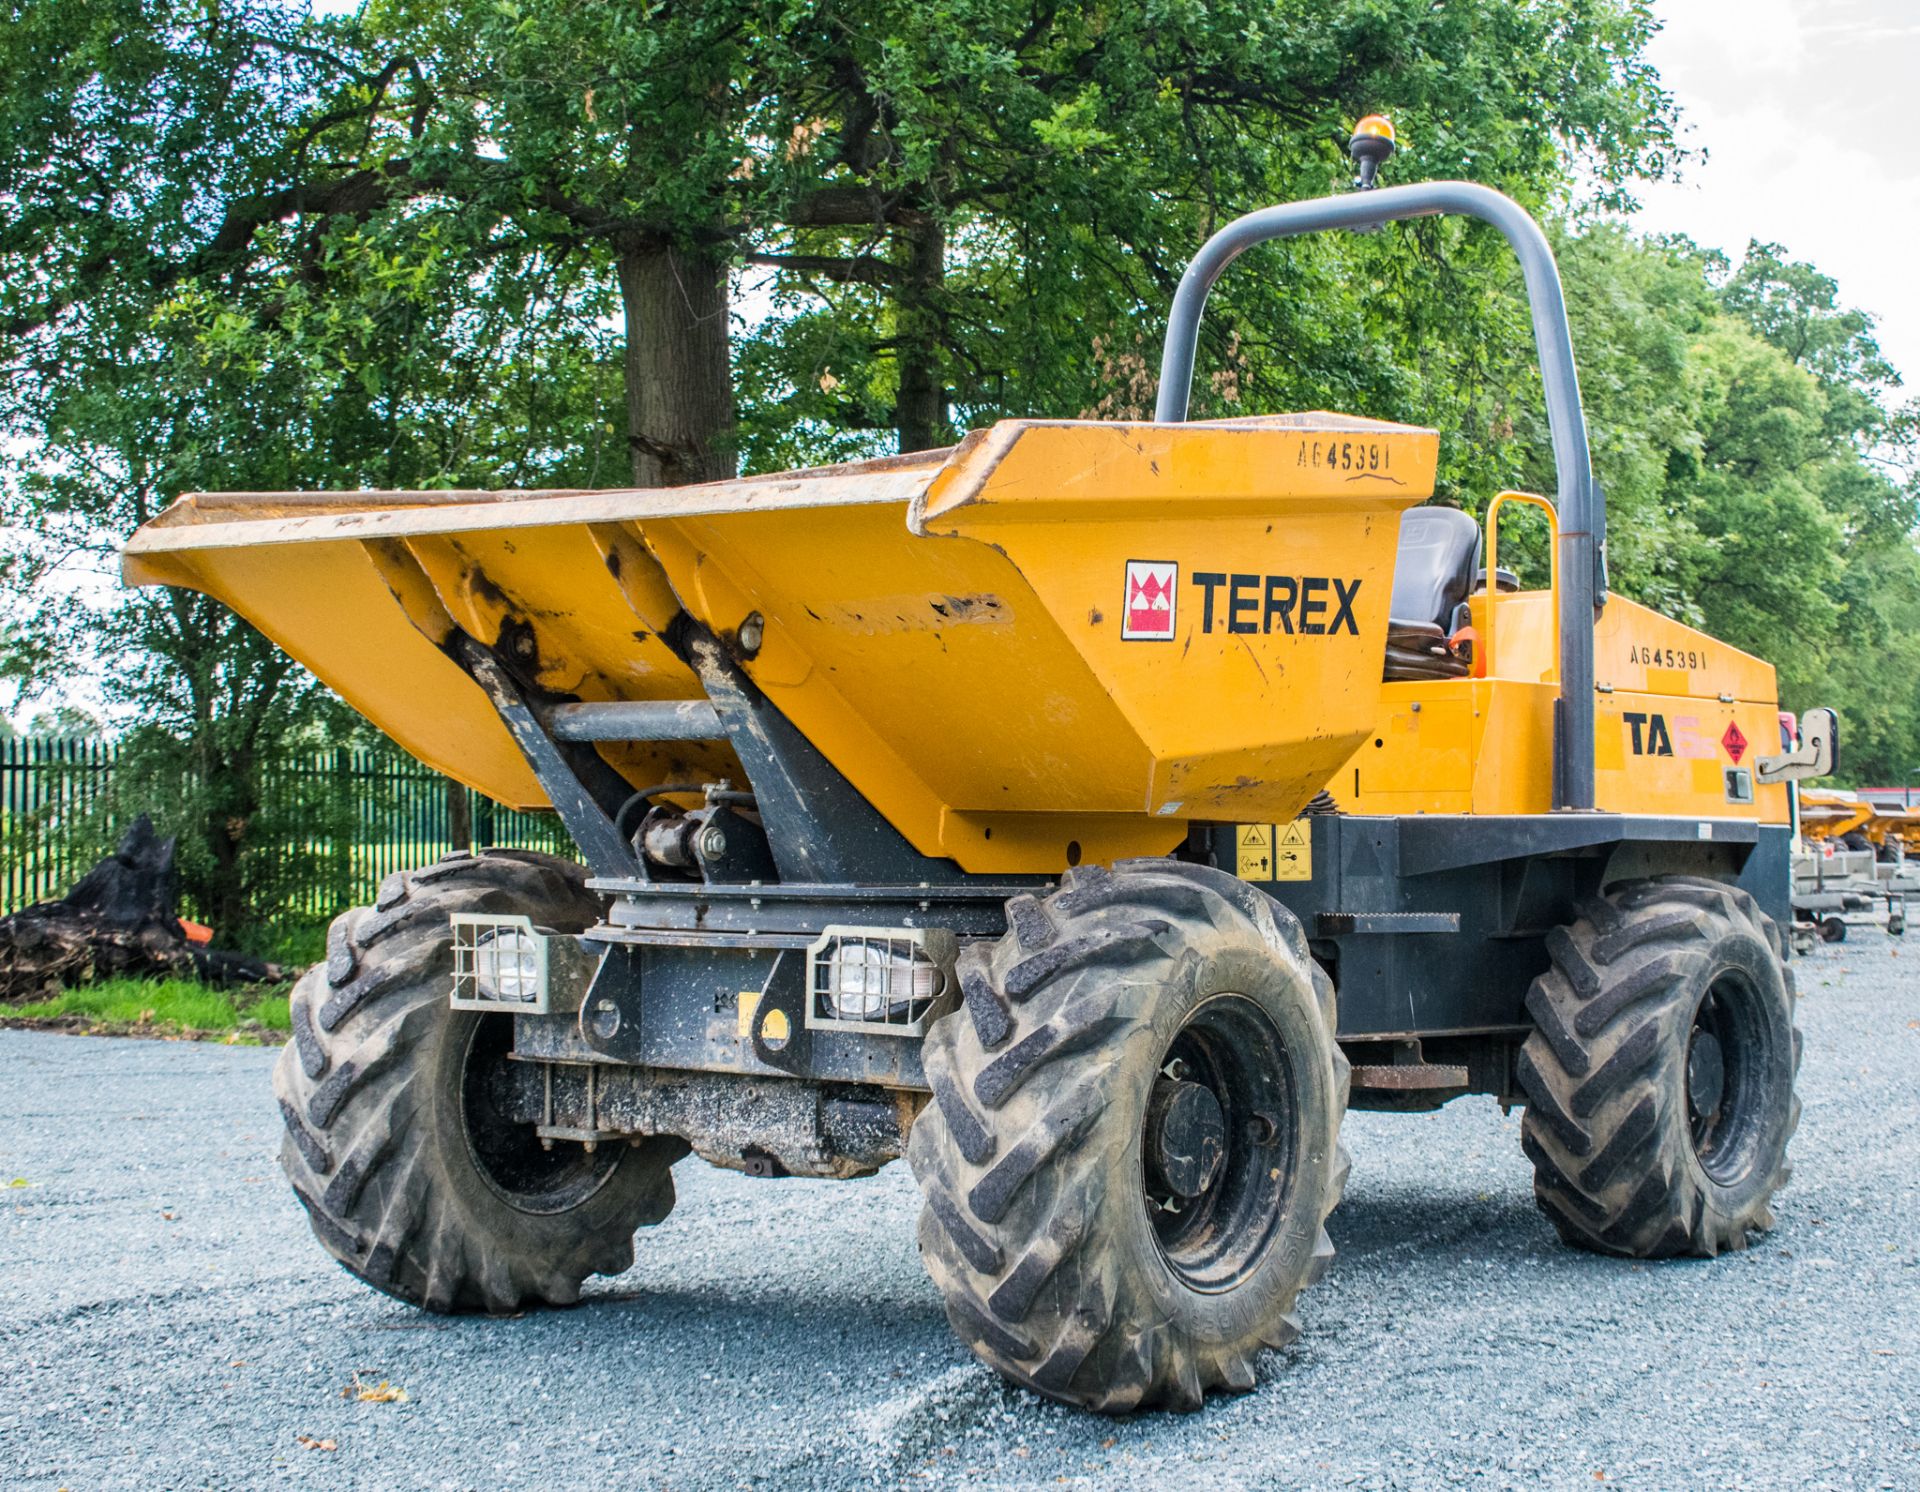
[[1057, 641]]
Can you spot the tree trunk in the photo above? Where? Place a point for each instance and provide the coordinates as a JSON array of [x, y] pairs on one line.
[[679, 376], [920, 409], [459, 816], [233, 791]]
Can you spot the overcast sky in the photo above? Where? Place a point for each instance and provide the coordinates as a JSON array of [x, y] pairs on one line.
[[1805, 108]]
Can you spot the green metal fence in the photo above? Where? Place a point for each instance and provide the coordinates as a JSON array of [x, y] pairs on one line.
[[333, 823]]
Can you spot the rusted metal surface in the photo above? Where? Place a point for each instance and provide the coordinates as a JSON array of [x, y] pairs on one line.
[[765, 1127], [1409, 1077], [635, 720]]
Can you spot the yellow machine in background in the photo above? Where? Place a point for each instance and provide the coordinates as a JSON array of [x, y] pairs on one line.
[[1832, 814], [1890, 826]]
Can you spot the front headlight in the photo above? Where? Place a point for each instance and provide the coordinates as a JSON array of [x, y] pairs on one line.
[[501, 961], [882, 979], [506, 964], [872, 982]]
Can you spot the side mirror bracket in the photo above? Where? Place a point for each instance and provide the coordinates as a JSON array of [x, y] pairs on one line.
[[1817, 755]]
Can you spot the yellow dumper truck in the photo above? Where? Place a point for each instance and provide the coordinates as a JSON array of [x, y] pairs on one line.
[[1036, 810]]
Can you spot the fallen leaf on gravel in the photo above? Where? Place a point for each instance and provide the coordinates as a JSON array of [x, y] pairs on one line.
[[316, 1445], [22, 1181], [381, 1393]]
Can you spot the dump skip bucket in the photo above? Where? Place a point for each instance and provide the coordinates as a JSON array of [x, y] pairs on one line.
[[1057, 641]]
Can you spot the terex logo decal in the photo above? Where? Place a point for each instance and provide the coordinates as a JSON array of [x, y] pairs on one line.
[[1147, 609], [1312, 605]]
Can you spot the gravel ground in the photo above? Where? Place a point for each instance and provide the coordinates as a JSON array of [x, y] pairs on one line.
[[166, 1320]]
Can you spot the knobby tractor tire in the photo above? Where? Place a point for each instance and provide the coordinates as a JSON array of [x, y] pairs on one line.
[[1659, 1078], [410, 1176], [1035, 1164]]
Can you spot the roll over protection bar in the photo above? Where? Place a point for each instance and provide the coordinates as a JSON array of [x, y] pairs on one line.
[[1580, 503]]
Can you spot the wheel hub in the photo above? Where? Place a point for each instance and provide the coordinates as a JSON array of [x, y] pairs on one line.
[[1706, 1074], [1186, 1135], [1731, 1057], [1220, 1143]]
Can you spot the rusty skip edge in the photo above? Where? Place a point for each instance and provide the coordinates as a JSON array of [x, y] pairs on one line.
[[190, 525], [926, 484]]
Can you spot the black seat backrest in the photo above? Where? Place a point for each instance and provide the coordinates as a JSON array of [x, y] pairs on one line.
[[1439, 552]]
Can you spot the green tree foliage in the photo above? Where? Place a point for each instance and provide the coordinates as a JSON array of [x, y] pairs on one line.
[[494, 242], [172, 320], [1069, 158]]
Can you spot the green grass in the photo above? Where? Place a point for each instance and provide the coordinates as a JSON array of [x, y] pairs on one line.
[[169, 1006], [296, 945]]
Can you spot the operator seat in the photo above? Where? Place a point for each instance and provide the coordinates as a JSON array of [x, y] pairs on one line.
[[1434, 573]]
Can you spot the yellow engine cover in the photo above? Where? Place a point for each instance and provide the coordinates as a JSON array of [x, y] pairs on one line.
[[1675, 714]]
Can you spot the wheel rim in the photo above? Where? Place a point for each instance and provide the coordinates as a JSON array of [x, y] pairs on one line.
[[507, 1153], [1219, 1143], [1729, 1051]]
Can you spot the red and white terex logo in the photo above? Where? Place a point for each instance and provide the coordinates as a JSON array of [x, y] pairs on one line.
[[1148, 607]]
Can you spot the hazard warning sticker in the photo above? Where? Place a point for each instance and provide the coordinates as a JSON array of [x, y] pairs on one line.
[[1273, 852], [1293, 853], [1735, 741], [1253, 852], [1147, 608]]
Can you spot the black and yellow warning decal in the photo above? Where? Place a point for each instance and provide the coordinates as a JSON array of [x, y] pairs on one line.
[[1273, 852]]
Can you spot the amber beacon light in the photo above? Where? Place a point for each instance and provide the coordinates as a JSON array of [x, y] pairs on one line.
[[1371, 146]]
